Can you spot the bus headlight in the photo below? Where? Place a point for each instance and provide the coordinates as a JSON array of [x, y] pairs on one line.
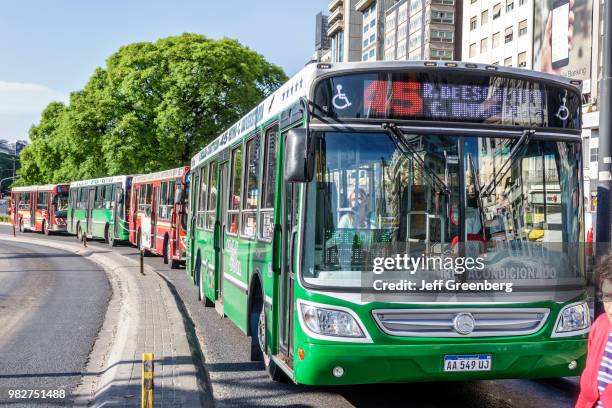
[[330, 322], [573, 318]]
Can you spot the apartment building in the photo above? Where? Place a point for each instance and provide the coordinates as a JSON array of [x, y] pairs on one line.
[[344, 30], [410, 29], [498, 32]]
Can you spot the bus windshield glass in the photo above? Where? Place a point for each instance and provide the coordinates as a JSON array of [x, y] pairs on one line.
[[376, 200], [449, 96], [61, 204]]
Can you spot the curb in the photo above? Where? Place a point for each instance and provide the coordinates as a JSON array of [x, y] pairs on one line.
[[131, 327]]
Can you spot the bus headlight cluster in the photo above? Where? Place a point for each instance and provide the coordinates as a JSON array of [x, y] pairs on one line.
[[573, 318], [330, 322]]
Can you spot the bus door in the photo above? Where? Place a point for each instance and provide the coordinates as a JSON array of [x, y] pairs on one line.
[[145, 221], [33, 207], [287, 278], [224, 179], [90, 207], [118, 208]]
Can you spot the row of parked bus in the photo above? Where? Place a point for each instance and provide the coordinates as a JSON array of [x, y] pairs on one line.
[[147, 210]]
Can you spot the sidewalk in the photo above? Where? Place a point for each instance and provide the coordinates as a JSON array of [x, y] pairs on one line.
[[142, 317]]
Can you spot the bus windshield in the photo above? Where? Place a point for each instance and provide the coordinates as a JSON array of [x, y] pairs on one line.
[[375, 199], [61, 205]]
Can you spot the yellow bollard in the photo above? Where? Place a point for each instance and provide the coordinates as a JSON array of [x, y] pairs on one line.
[[147, 380]]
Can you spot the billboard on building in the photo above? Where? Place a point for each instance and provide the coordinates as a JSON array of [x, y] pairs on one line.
[[562, 37]]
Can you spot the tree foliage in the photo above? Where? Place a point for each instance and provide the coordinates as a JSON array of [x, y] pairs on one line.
[[152, 107]]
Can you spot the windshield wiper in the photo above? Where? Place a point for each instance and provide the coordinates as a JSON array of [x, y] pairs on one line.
[[400, 139], [524, 139]]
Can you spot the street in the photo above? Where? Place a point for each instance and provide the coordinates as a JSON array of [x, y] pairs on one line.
[[233, 379], [52, 304]]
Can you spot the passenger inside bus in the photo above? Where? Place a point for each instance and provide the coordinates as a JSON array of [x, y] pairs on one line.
[[360, 215]]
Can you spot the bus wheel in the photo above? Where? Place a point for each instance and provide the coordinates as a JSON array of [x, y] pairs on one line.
[[274, 371]]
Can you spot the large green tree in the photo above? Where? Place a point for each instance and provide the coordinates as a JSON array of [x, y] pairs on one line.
[[152, 107]]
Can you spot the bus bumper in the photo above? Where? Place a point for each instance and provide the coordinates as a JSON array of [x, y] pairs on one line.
[[372, 363]]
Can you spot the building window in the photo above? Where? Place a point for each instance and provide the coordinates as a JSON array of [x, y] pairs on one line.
[[508, 35], [372, 23], [437, 54], [365, 43], [522, 28], [389, 54], [496, 11], [366, 13], [522, 59], [372, 53], [442, 17], [473, 23], [447, 2], [594, 154], [522, 2], [366, 28], [484, 43], [509, 5], [495, 42], [443, 36], [484, 17], [472, 50], [508, 62], [372, 38], [364, 57], [390, 39]]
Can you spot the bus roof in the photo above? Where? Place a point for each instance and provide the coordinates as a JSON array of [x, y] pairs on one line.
[[299, 86], [161, 175], [98, 181], [45, 187]]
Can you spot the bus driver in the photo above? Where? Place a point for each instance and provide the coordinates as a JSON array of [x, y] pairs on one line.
[[360, 216]]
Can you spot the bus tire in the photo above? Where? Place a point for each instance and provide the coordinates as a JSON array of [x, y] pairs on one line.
[[274, 371], [174, 264]]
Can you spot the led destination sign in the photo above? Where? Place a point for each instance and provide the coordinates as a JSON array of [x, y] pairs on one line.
[[434, 96]]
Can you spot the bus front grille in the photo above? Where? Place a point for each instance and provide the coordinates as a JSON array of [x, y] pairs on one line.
[[489, 322]]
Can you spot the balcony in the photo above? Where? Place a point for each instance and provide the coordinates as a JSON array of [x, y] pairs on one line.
[[335, 4], [334, 28], [362, 5], [334, 16]]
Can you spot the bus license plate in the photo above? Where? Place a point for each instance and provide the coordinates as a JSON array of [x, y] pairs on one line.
[[478, 362]]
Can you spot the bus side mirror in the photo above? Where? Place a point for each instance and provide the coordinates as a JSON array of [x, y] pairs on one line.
[[299, 156]]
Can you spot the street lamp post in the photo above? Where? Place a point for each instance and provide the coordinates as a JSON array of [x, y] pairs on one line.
[[604, 186]]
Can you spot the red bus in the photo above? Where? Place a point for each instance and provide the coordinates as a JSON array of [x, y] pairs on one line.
[[40, 208], [158, 223]]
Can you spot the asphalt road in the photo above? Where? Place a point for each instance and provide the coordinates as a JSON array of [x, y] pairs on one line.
[[52, 305], [240, 382]]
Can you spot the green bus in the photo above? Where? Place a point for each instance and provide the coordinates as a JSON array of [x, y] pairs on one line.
[[307, 214], [99, 208]]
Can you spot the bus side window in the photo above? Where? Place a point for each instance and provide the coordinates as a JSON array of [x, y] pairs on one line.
[[201, 217], [235, 187], [250, 198], [99, 202], [268, 184], [211, 209]]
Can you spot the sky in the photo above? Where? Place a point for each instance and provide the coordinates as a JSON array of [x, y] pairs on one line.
[[50, 48]]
